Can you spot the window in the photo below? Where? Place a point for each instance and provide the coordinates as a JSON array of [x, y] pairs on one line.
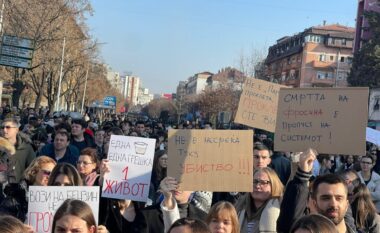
[[376, 106], [324, 75], [342, 75], [292, 74], [320, 75], [344, 42], [331, 58], [341, 59], [322, 57], [349, 60], [283, 76]]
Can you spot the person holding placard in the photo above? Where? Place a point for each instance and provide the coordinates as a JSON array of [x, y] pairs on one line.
[[87, 166], [176, 204], [37, 174], [329, 197], [258, 211], [120, 216]]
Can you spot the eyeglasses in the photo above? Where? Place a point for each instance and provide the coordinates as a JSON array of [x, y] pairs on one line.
[[368, 163], [46, 172], [83, 162], [7, 127], [261, 182]]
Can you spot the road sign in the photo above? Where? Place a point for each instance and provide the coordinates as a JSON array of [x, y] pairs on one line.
[[15, 62], [17, 52], [18, 42], [109, 101]]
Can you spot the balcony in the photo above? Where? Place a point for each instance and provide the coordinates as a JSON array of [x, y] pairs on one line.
[[323, 64], [326, 82]]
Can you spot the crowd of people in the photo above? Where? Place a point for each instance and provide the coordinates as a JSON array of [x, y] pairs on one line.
[[302, 192]]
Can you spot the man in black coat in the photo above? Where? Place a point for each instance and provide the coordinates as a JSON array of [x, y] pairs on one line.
[[329, 197], [282, 166]]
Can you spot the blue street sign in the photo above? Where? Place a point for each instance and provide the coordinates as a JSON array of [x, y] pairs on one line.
[[109, 101]]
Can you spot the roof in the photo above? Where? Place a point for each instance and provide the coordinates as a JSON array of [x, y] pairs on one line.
[[335, 27], [229, 73], [206, 73]]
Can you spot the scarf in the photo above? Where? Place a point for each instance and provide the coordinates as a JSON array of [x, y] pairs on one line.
[[90, 179]]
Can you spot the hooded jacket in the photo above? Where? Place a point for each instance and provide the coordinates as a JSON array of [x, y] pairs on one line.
[[20, 160]]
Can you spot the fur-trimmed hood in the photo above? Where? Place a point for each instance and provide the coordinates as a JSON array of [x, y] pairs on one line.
[[6, 146]]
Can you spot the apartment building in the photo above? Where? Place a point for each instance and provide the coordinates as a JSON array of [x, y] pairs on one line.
[[320, 56], [362, 33]]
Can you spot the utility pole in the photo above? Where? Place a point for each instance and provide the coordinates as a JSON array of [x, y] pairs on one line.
[[84, 91], [60, 75], [337, 68], [1, 17]]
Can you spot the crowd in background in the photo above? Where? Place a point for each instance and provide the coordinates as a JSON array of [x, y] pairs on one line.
[[292, 192]]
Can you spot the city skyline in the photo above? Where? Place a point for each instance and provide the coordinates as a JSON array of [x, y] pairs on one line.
[[168, 41]]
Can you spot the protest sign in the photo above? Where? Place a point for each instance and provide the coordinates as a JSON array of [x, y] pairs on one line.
[[373, 136], [330, 120], [130, 161], [258, 104], [43, 202], [211, 160]]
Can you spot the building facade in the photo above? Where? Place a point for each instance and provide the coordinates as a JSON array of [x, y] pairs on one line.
[[115, 80], [144, 97], [131, 89], [197, 83], [362, 34], [320, 56], [226, 78]]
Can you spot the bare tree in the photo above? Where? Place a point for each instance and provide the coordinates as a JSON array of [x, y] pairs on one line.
[[250, 62], [47, 23]]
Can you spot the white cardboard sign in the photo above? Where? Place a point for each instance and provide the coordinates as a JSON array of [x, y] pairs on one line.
[[43, 202], [131, 162]]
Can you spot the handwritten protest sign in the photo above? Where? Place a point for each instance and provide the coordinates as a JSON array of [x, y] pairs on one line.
[[258, 104], [131, 161], [211, 160], [373, 136], [43, 202], [331, 120]]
